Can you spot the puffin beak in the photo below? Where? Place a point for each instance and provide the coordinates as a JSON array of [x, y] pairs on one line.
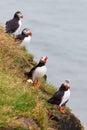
[[30, 33], [22, 16], [66, 83], [45, 59], [67, 87]]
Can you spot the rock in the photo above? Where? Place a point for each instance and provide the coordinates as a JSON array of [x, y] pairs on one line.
[[29, 123], [25, 123], [66, 121]]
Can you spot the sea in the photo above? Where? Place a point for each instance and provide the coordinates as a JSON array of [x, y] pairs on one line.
[[59, 30]]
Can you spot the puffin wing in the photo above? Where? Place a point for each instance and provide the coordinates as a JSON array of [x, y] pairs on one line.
[[56, 98], [29, 74], [19, 37], [11, 26]]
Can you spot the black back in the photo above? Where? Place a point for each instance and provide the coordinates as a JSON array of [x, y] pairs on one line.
[[57, 97], [12, 25], [21, 36]]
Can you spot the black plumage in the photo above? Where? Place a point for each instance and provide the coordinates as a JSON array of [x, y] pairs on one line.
[[60, 98], [57, 97], [13, 24], [20, 37], [24, 34], [37, 72], [30, 73]]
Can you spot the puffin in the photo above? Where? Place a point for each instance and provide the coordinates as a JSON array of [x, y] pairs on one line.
[[61, 97], [14, 24], [38, 71], [25, 36]]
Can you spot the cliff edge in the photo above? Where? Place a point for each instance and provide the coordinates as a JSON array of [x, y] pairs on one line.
[[23, 107]]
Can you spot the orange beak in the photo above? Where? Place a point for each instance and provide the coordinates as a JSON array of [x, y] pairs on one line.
[[67, 87], [45, 59], [30, 33], [22, 16]]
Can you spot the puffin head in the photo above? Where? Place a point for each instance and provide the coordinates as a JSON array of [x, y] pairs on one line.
[[27, 32], [44, 59], [18, 15], [66, 84]]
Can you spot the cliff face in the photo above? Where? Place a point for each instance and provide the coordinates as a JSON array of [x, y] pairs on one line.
[[67, 121], [21, 105]]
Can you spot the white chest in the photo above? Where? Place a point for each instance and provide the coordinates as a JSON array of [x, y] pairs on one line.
[[26, 41], [39, 72], [20, 23], [65, 97]]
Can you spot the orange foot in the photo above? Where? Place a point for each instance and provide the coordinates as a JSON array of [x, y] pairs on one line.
[[37, 84], [62, 110]]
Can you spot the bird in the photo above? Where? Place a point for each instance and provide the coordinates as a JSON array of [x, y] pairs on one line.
[[25, 36], [61, 97], [38, 71], [14, 24]]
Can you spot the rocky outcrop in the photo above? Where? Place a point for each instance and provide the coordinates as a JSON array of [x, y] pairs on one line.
[[66, 121], [57, 121]]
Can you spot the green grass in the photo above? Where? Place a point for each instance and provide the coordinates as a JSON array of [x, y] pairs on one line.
[[17, 97]]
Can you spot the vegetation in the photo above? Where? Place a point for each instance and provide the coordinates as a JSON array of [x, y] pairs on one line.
[[19, 98]]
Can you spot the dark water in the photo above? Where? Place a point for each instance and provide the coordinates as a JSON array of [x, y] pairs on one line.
[[59, 31]]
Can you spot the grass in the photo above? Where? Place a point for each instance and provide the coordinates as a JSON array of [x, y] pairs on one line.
[[17, 97]]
